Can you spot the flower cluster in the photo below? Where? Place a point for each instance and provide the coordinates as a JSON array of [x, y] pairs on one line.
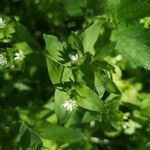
[[2, 23], [3, 60], [19, 55], [70, 105], [146, 22], [74, 58]]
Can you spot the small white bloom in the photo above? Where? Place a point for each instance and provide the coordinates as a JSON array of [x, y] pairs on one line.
[[19, 55], [2, 23], [125, 125], [95, 140], [119, 57], [105, 141], [3, 60], [92, 124], [74, 58], [70, 105], [126, 116], [142, 21]]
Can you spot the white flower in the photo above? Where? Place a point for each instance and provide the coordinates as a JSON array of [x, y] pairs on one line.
[[3, 60], [126, 116], [19, 55], [2, 23], [119, 57], [74, 58], [95, 140], [92, 124], [125, 125], [70, 105]]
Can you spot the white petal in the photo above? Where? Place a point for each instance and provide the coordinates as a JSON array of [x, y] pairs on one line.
[[69, 105], [74, 58], [19, 55]]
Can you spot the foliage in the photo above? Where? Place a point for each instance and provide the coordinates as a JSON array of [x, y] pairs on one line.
[[74, 74]]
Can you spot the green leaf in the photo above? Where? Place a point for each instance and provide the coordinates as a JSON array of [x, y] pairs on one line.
[[53, 46], [90, 36], [61, 113], [126, 11], [112, 103], [28, 139], [23, 35], [109, 85], [55, 71], [104, 52], [78, 75], [76, 43], [86, 69], [136, 53], [7, 32], [58, 133], [131, 106], [99, 85], [90, 116], [134, 49], [67, 75], [24, 47], [104, 65], [74, 9], [113, 117], [88, 99]]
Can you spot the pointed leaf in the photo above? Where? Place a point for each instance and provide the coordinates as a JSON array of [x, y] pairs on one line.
[[55, 71], [76, 43], [27, 138], [90, 36], [58, 133], [88, 99], [99, 85], [104, 52], [53, 46], [109, 85], [134, 49], [61, 113]]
